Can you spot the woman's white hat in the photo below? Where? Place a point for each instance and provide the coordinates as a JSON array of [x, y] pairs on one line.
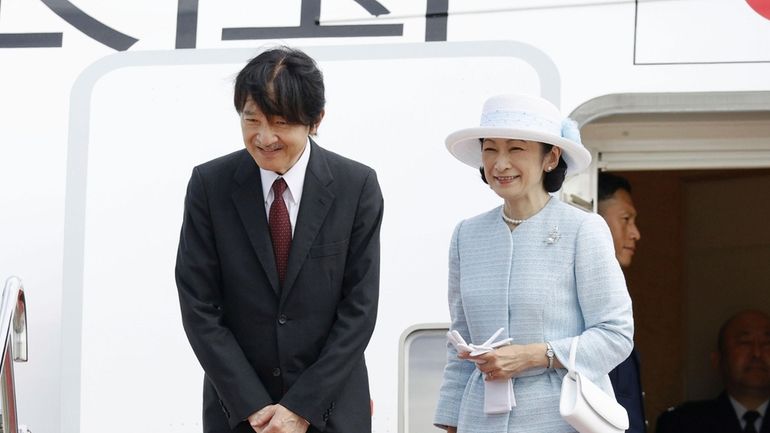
[[521, 117]]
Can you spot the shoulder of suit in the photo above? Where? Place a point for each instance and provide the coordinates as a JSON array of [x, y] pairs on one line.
[[571, 211], [338, 163], [570, 217], [686, 417], [482, 220], [225, 162], [691, 408]]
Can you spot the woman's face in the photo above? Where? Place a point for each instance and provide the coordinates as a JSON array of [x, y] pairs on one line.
[[514, 169]]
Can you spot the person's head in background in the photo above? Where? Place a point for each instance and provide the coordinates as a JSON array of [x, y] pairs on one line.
[[743, 357], [617, 208]]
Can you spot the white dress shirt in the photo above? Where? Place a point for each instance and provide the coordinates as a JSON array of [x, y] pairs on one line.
[[295, 181], [740, 410]]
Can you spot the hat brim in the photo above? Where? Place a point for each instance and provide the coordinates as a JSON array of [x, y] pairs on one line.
[[466, 147]]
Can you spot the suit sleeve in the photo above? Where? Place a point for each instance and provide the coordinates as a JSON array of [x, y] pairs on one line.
[[315, 390], [200, 300], [604, 302], [668, 422], [457, 371]]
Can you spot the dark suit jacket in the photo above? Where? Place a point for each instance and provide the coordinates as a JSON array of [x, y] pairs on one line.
[[705, 416], [626, 381], [301, 345]]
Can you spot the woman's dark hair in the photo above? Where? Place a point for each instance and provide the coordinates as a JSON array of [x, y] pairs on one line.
[[282, 82], [552, 180]]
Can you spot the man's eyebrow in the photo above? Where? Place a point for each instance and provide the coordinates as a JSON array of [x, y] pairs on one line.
[[249, 112]]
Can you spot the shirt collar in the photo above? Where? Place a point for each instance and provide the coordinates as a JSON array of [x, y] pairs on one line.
[[294, 177], [740, 410]]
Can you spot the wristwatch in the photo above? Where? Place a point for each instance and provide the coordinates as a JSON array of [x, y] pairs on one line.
[[549, 354]]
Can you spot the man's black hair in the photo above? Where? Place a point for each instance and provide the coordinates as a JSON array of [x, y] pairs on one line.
[[610, 183], [282, 82]]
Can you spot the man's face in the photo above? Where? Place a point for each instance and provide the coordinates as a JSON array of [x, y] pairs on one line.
[[744, 358], [274, 143], [620, 214]]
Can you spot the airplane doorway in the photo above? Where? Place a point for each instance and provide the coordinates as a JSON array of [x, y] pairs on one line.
[[699, 166], [703, 255]]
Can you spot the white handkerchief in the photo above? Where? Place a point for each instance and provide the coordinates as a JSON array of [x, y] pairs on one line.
[[498, 396]]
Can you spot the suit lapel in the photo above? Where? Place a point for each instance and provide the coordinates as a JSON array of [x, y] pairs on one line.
[[728, 419], [316, 201], [765, 427], [249, 201]]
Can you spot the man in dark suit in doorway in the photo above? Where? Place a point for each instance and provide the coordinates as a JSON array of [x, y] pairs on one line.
[[743, 360], [278, 264], [617, 209]]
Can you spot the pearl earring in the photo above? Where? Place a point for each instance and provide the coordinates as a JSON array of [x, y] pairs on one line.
[[549, 169]]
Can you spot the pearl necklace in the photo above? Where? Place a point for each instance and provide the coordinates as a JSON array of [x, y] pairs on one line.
[[510, 220]]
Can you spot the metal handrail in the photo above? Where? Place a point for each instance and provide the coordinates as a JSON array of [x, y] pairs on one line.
[[13, 326], [13, 319]]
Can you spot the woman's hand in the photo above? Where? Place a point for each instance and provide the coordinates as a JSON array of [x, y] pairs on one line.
[[509, 361]]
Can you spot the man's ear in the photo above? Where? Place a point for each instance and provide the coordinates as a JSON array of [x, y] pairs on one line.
[[715, 361], [314, 128]]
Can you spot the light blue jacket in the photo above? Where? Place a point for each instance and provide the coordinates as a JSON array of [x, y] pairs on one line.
[[553, 277]]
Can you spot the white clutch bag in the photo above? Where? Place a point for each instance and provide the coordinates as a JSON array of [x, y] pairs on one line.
[[585, 406]]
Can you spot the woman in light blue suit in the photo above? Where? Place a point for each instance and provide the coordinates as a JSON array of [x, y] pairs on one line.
[[542, 270]]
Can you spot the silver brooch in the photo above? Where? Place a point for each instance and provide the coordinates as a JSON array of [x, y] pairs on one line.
[[553, 236]]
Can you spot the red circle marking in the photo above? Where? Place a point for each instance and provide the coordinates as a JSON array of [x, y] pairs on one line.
[[761, 7]]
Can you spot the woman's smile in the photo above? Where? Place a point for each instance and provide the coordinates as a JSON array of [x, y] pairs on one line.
[[505, 180]]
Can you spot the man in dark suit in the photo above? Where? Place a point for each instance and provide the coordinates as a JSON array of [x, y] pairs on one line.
[[617, 209], [743, 360], [278, 264]]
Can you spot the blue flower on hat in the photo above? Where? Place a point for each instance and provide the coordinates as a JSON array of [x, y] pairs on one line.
[[570, 131]]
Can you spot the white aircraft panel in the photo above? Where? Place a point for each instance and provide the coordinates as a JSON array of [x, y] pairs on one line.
[[149, 125], [701, 31]]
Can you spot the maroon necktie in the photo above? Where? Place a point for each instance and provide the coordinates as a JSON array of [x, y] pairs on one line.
[[280, 228]]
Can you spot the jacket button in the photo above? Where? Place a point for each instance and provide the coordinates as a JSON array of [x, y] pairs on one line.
[[276, 372], [282, 319]]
